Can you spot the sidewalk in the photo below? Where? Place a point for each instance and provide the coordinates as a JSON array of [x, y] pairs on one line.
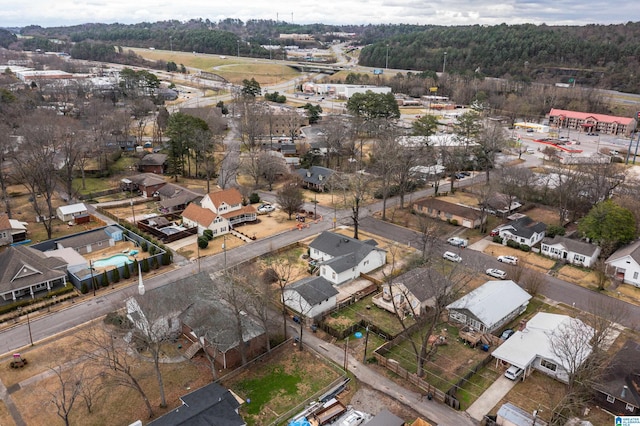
[[439, 413]]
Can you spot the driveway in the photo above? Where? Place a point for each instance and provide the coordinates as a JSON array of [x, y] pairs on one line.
[[490, 397]]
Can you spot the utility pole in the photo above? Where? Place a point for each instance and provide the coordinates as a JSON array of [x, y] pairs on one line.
[[386, 63], [444, 63]]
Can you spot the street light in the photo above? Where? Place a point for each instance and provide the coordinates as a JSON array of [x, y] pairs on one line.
[[444, 63], [28, 324], [386, 64]]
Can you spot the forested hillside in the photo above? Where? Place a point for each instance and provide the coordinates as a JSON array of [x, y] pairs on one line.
[[593, 55]]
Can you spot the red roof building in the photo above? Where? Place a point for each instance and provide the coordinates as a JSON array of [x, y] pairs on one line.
[[589, 122]]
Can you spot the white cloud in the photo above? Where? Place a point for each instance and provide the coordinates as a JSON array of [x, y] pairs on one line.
[[453, 12]]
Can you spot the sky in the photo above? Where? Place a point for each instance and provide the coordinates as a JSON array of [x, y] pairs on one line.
[[47, 13]]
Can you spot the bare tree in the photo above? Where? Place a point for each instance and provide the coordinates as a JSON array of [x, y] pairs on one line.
[[532, 281], [491, 140], [109, 352], [385, 160], [5, 149], [283, 268], [69, 388], [290, 198]]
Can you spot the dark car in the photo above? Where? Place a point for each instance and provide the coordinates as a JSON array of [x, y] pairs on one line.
[[506, 334]]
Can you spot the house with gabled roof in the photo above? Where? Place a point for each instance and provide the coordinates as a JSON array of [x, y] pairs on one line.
[[153, 163], [176, 198], [71, 211], [478, 309], [341, 258], [570, 250], [310, 297], [410, 293], [227, 210], [25, 271], [624, 264], [523, 230], [146, 183], [209, 405], [11, 230], [449, 212], [618, 390], [315, 177], [532, 346]]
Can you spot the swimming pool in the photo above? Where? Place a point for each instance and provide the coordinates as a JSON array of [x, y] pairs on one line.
[[172, 229], [116, 260]]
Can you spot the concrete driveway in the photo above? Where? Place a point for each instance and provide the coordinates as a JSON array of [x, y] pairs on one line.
[[490, 397]]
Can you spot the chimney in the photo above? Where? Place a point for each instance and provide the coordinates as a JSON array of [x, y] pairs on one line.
[[623, 394], [522, 325]]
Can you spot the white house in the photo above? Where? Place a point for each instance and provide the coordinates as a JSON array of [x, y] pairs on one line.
[[311, 297], [490, 306], [226, 210], [624, 264], [69, 212], [532, 347], [573, 251], [342, 258], [524, 231]]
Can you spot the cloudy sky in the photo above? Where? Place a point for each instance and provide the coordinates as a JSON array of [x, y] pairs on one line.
[[14, 13]]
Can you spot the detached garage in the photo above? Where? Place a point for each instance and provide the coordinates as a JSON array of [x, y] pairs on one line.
[[70, 212]]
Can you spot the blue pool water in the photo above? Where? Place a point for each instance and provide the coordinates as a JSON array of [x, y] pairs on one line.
[[116, 260]]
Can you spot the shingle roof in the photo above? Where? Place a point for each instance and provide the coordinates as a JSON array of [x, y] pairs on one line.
[[570, 244], [198, 214], [632, 250], [147, 179], [22, 266], [623, 370], [346, 252], [313, 289], [209, 405], [248, 209], [84, 239], [456, 209], [73, 208], [4, 222], [153, 160], [418, 282], [318, 175], [229, 196], [524, 227]]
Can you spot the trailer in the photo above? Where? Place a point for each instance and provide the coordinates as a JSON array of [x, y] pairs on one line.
[[329, 411]]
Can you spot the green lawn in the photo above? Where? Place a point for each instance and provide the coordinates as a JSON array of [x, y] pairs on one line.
[[476, 385], [92, 185], [365, 309]]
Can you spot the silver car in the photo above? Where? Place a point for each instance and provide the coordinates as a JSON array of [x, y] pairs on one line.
[[497, 273]]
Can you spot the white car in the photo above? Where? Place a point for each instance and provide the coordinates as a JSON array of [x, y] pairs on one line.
[[497, 273], [513, 373], [512, 260], [266, 208], [451, 256], [458, 242]]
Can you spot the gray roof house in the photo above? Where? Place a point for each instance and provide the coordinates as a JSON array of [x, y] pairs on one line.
[[315, 177], [209, 405], [153, 163], [190, 307], [624, 264], [176, 198], [480, 310], [571, 250], [311, 296], [618, 390], [25, 271], [342, 258], [524, 231]]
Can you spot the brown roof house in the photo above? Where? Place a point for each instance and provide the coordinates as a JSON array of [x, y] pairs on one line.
[[176, 198], [25, 271], [227, 209], [191, 307], [146, 183], [618, 391], [153, 163], [449, 212]]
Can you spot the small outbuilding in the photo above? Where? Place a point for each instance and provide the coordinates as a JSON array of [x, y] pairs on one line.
[[71, 212]]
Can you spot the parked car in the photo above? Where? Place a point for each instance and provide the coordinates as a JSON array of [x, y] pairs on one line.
[[506, 334], [465, 173], [530, 130], [497, 273], [513, 373], [448, 255], [614, 152], [353, 419], [266, 208], [458, 242], [512, 260], [530, 151], [494, 232]]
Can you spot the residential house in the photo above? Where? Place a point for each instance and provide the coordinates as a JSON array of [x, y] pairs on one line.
[[190, 307], [174, 198], [228, 210], [571, 250], [342, 258], [25, 271], [479, 309], [147, 184], [194, 215], [11, 231], [414, 291], [153, 163], [315, 177], [618, 391], [209, 405], [523, 230], [87, 242], [624, 264], [532, 347], [310, 297], [70, 212], [512, 415], [127, 143], [449, 212], [502, 204]]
